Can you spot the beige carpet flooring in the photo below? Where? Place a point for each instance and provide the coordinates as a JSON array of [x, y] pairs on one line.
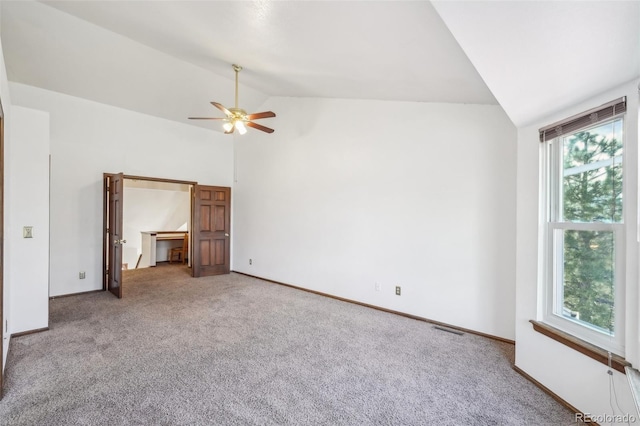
[[233, 350]]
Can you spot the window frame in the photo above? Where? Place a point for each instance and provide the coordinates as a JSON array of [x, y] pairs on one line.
[[553, 247]]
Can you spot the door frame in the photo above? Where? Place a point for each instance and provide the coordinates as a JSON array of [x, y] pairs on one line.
[[105, 207]]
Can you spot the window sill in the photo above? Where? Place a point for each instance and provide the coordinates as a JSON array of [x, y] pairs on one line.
[[592, 351]]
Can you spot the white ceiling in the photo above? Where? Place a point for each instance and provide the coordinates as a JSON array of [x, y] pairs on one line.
[[46, 48], [391, 50], [170, 58], [539, 57]]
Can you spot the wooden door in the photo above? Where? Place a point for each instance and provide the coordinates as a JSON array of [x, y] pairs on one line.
[[211, 229], [113, 232]]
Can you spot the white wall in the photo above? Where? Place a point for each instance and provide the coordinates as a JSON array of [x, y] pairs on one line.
[[6, 305], [29, 206], [151, 210], [87, 139], [577, 379], [347, 193]]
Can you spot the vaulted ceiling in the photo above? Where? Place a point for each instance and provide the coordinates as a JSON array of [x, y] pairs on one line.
[[170, 58], [539, 57]]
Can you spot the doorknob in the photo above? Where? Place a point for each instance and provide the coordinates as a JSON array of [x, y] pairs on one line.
[[120, 241], [226, 235]]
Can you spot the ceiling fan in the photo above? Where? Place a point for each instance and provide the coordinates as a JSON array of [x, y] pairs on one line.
[[237, 118]]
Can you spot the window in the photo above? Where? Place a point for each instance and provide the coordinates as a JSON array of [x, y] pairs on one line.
[[584, 245]]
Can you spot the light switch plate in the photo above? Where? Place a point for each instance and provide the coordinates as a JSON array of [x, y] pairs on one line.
[[27, 232]]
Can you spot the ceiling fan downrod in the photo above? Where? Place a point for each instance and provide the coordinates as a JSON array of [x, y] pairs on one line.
[[237, 69]]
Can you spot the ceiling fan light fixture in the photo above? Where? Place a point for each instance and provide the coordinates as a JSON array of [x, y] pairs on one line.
[[227, 126], [241, 127]]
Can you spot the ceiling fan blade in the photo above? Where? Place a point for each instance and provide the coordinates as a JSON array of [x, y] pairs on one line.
[[258, 115], [206, 118], [222, 108], [259, 127]]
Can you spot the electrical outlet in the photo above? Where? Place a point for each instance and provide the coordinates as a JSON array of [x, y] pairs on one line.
[[27, 232], [250, 261], [397, 290], [82, 275], [377, 286]]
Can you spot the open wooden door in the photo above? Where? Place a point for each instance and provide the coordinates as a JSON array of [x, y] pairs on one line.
[[211, 229], [114, 184]]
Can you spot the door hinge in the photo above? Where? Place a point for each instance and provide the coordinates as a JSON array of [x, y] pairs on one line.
[[108, 230]]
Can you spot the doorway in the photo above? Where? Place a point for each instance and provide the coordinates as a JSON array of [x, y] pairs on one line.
[[156, 218], [210, 219]]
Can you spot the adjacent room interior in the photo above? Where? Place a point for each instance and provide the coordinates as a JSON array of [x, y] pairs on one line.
[[471, 166], [152, 207]]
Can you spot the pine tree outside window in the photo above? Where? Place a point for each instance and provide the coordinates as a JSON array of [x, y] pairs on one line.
[[584, 260]]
